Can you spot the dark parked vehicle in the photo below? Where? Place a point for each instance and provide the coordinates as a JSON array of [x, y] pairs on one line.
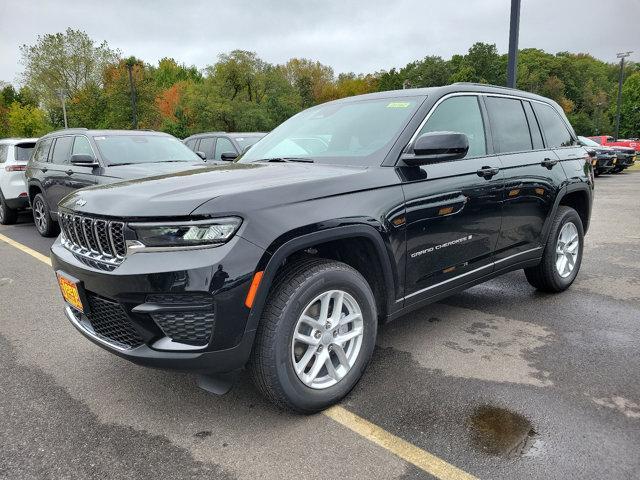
[[286, 261], [67, 160], [625, 156], [604, 159], [218, 147]]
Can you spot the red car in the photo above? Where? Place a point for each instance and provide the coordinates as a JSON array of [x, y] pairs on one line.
[[608, 141]]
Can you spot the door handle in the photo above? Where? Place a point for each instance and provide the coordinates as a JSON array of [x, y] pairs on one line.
[[549, 163], [69, 172], [487, 172]]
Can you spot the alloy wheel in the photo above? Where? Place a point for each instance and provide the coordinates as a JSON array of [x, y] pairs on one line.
[[567, 249], [327, 339], [39, 216]]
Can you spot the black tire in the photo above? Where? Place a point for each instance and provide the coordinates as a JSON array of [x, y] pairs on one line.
[[545, 276], [271, 365], [8, 216], [42, 217]]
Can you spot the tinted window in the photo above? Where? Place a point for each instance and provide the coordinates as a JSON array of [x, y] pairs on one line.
[[598, 140], [128, 149], [191, 143], [81, 146], [356, 132], [23, 151], [508, 125], [206, 146], [536, 136], [62, 150], [3, 153], [555, 131], [42, 152], [245, 142], [223, 145], [462, 115]]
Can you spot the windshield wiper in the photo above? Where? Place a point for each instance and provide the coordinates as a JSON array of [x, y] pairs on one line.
[[288, 159]]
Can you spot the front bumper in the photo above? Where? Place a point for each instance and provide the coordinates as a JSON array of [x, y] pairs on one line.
[[181, 310]]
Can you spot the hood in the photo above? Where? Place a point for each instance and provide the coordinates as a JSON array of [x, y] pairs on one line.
[[139, 170], [180, 193]]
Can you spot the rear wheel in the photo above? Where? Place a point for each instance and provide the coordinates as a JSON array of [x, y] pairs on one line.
[[8, 215], [562, 255], [316, 335], [42, 217]]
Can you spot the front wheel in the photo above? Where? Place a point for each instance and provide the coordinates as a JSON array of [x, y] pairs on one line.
[[316, 335], [42, 217], [562, 255]]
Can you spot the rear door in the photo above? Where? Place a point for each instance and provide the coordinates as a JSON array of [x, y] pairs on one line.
[[561, 139], [532, 176], [452, 208]]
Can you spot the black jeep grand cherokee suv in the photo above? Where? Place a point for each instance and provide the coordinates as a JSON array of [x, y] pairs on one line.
[[288, 260]]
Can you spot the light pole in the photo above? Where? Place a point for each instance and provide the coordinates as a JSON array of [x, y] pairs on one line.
[[621, 56], [134, 107], [64, 108], [514, 30]]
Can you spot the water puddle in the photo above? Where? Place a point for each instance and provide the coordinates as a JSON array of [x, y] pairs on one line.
[[498, 431]]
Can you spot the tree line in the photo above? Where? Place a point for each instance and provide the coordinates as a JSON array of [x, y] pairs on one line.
[[242, 92]]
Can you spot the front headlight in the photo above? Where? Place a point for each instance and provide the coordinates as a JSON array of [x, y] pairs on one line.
[[187, 234]]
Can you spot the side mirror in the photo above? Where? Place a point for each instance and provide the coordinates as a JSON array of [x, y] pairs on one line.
[[591, 153], [228, 156], [84, 160], [434, 147], [202, 155]]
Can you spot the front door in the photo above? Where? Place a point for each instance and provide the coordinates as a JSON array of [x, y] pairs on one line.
[[452, 208], [55, 186], [80, 176]]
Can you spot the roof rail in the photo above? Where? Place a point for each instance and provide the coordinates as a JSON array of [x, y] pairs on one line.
[[478, 84], [83, 129]]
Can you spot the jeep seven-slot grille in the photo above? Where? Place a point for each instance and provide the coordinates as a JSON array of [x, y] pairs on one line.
[[101, 240]]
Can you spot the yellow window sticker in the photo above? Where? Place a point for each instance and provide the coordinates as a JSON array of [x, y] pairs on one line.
[[398, 104]]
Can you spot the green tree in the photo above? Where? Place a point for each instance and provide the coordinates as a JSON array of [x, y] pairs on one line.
[[27, 121], [63, 63], [630, 107]]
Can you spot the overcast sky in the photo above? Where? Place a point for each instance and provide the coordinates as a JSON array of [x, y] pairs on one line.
[[349, 35]]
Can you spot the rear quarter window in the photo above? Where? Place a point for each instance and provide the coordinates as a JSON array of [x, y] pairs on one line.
[[3, 153], [555, 130]]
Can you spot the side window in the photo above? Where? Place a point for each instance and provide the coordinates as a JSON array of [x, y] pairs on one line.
[[42, 152], [62, 150], [206, 146], [3, 153], [191, 144], [462, 115], [508, 125], [223, 145], [536, 136], [81, 146], [555, 131]]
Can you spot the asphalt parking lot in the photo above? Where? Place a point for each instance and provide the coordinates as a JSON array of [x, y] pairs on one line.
[[499, 381]]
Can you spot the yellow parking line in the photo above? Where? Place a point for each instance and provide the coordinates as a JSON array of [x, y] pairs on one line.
[[396, 445], [25, 249], [408, 452]]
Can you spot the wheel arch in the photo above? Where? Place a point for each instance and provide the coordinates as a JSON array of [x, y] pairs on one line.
[[577, 196], [276, 255]]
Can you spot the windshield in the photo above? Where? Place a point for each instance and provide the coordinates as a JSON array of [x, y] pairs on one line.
[[23, 151], [356, 132], [128, 149], [245, 142], [587, 142]]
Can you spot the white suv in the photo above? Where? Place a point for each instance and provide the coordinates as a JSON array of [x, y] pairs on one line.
[[14, 155]]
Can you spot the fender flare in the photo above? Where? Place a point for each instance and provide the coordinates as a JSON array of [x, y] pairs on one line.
[[307, 240], [563, 192]]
